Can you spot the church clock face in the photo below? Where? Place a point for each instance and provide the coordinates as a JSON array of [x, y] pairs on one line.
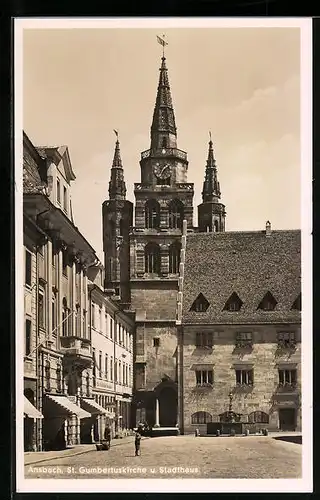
[[162, 170]]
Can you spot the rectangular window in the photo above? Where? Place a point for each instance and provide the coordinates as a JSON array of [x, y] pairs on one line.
[[84, 323], [244, 377], [204, 339], [286, 338], [54, 317], [115, 370], [116, 331], [106, 324], [28, 337], [65, 200], [111, 368], [100, 319], [156, 342], [92, 316], [204, 377], [111, 328], [288, 378], [100, 364], [64, 263], [120, 373], [106, 364], [124, 374], [41, 317], [129, 375], [28, 261], [243, 338], [94, 364], [58, 191]]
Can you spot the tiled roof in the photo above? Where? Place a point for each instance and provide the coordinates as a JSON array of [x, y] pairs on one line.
[[248, 263], [32, 182]]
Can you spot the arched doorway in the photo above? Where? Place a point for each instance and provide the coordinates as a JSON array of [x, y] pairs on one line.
[[168, 407]]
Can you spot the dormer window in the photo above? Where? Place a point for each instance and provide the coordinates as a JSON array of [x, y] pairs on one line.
[[297, 303], [268, 303], [233, 303], [201, 304]]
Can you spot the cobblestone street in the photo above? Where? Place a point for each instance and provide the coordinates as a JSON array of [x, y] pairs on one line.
[[253, 457]]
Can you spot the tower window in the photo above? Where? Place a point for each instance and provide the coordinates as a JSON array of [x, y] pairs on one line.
[[216, 226], [152, 258], [268, 303], [175, 214], [233, 303], [174, 257], [297, 303], [201, 304], [156, 342], [152, 214], [164, 142]]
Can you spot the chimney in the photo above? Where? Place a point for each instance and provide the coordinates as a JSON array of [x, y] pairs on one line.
[[268, 228]]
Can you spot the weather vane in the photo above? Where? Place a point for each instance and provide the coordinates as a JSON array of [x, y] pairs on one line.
[[162, 42]]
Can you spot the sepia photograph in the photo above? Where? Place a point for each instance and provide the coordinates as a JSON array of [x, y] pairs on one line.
[[163, 254]]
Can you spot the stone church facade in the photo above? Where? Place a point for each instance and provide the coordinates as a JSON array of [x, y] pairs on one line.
[[148, 262]]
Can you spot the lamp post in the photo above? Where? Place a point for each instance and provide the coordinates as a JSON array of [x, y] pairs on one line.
[[230, 407]]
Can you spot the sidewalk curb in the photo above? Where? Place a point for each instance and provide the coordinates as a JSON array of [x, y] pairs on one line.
[[75, 453]]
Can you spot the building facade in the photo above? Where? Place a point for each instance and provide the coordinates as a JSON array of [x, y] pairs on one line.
[[112, 332], [167, 392], [240, 331], [61, 407]]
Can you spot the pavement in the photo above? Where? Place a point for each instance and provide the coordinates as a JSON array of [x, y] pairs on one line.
[[256, 457], [33, 457]]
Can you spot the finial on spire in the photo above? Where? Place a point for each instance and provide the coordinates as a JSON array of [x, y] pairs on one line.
[[210, 135], [116, 132], [162, 42]]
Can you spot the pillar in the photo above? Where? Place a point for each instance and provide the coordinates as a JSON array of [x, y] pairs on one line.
[[157, 424]]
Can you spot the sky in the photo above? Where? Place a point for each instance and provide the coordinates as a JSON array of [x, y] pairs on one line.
[[242, 84]]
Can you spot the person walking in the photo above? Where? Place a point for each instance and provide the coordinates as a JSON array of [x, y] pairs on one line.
[[137, 443], [107, 436]]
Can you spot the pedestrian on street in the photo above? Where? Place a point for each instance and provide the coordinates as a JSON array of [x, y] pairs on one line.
[[137, 442], [107, 435]]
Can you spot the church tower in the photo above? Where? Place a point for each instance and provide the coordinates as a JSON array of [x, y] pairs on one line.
[[163, 199], [117, 222], [211, 212]]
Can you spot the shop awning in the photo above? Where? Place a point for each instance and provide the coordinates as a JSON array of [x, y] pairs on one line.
[[61, 406], [30, 410], [92, 406]]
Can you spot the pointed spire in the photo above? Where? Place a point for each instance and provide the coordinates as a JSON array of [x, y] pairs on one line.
[[117, 185], [163, 128], [211, 186]]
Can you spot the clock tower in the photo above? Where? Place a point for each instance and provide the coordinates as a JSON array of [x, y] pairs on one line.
[[163, 199]]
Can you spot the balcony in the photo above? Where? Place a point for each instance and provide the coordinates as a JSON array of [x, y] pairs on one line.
[[76, 350], [164, 153]]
